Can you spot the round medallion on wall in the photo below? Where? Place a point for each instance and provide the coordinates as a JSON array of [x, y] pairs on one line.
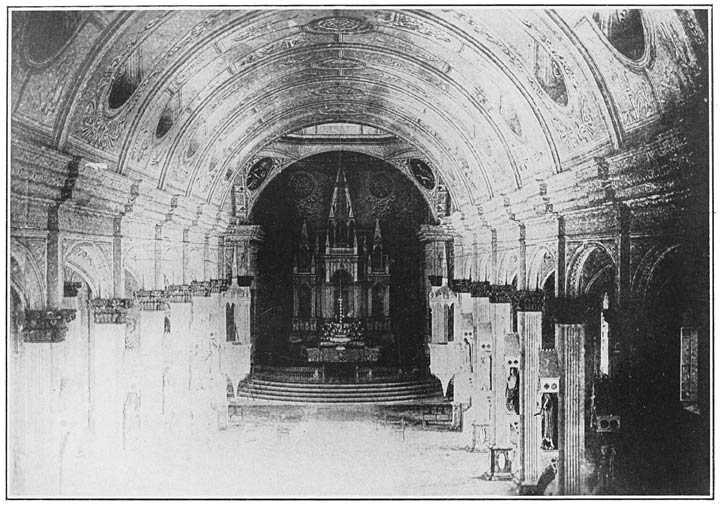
[[380, 186], [258, 173], [302, 185], [423, 173]]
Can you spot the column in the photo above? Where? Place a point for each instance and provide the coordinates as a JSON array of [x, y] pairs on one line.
[[186, 257], [221, 274], [153, 309], [117, 260], [108, 332], [206, 259], [571, 427], [483, 363], [158, 258], [530, 331], [54, 262], [501, 320], [435, 265]]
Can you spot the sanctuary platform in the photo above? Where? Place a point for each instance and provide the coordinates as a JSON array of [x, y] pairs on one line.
[[339, 384]]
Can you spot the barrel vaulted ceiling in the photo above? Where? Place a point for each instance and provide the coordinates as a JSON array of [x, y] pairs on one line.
[[208, 92]]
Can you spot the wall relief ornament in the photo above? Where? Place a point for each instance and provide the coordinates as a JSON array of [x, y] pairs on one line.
[[302, 185], [98, 131], [380, 186]]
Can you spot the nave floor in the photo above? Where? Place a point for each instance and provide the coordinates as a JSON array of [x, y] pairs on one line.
[[318, 452]]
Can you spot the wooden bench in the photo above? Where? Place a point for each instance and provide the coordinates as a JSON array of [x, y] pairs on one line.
[[436, 414]]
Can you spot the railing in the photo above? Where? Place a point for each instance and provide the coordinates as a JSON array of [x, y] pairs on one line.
[[309, 325]]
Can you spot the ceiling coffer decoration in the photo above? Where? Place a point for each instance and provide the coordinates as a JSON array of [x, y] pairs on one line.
[[334, 25]]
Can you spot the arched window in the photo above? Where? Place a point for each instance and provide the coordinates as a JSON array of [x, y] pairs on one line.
[[230, 322], [604, 337], [305, 302]]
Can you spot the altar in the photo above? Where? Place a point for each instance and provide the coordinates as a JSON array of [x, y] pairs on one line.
[[341, 289]]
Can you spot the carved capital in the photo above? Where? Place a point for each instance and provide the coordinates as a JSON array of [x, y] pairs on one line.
[[244, 233], [200, 288], [568, 310], [179, 293], [530, 301], [151, 300], [461, 285], [433, 233], [70, 289], [47, 326], [503, 294], [218, 285], [480, 289], [110, 310]]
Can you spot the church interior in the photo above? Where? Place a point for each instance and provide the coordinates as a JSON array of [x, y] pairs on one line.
[[359, 252]]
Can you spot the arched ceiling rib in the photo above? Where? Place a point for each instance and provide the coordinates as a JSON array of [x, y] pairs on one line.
[[460, 86]]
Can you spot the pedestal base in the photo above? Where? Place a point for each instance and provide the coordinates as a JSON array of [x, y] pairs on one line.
[[500, 464]]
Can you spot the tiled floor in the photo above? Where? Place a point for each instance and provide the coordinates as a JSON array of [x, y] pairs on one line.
[[321, 452]]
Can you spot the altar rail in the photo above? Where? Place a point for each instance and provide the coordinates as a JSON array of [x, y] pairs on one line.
[[322, 374], [313, 325]]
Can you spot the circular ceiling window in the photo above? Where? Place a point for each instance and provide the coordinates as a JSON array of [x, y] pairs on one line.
[[126, 80], [624, 30], [549, 75]]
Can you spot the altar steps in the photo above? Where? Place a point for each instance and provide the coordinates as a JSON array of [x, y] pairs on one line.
[[340, 393]]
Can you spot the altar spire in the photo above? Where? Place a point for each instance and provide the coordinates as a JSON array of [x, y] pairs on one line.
[[341, 206]]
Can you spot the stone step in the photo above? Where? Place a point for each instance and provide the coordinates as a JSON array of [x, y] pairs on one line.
[[336, 393], [336, 400], [339, 389]]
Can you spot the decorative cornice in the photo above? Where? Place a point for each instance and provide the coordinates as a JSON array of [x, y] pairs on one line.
[[47, 326]]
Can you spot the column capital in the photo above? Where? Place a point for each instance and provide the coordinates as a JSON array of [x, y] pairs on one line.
[[200, 288], [569, 310], [153, 299], [178, 293], [110, 310], [244, 233], [433, 233], [47, 326]]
